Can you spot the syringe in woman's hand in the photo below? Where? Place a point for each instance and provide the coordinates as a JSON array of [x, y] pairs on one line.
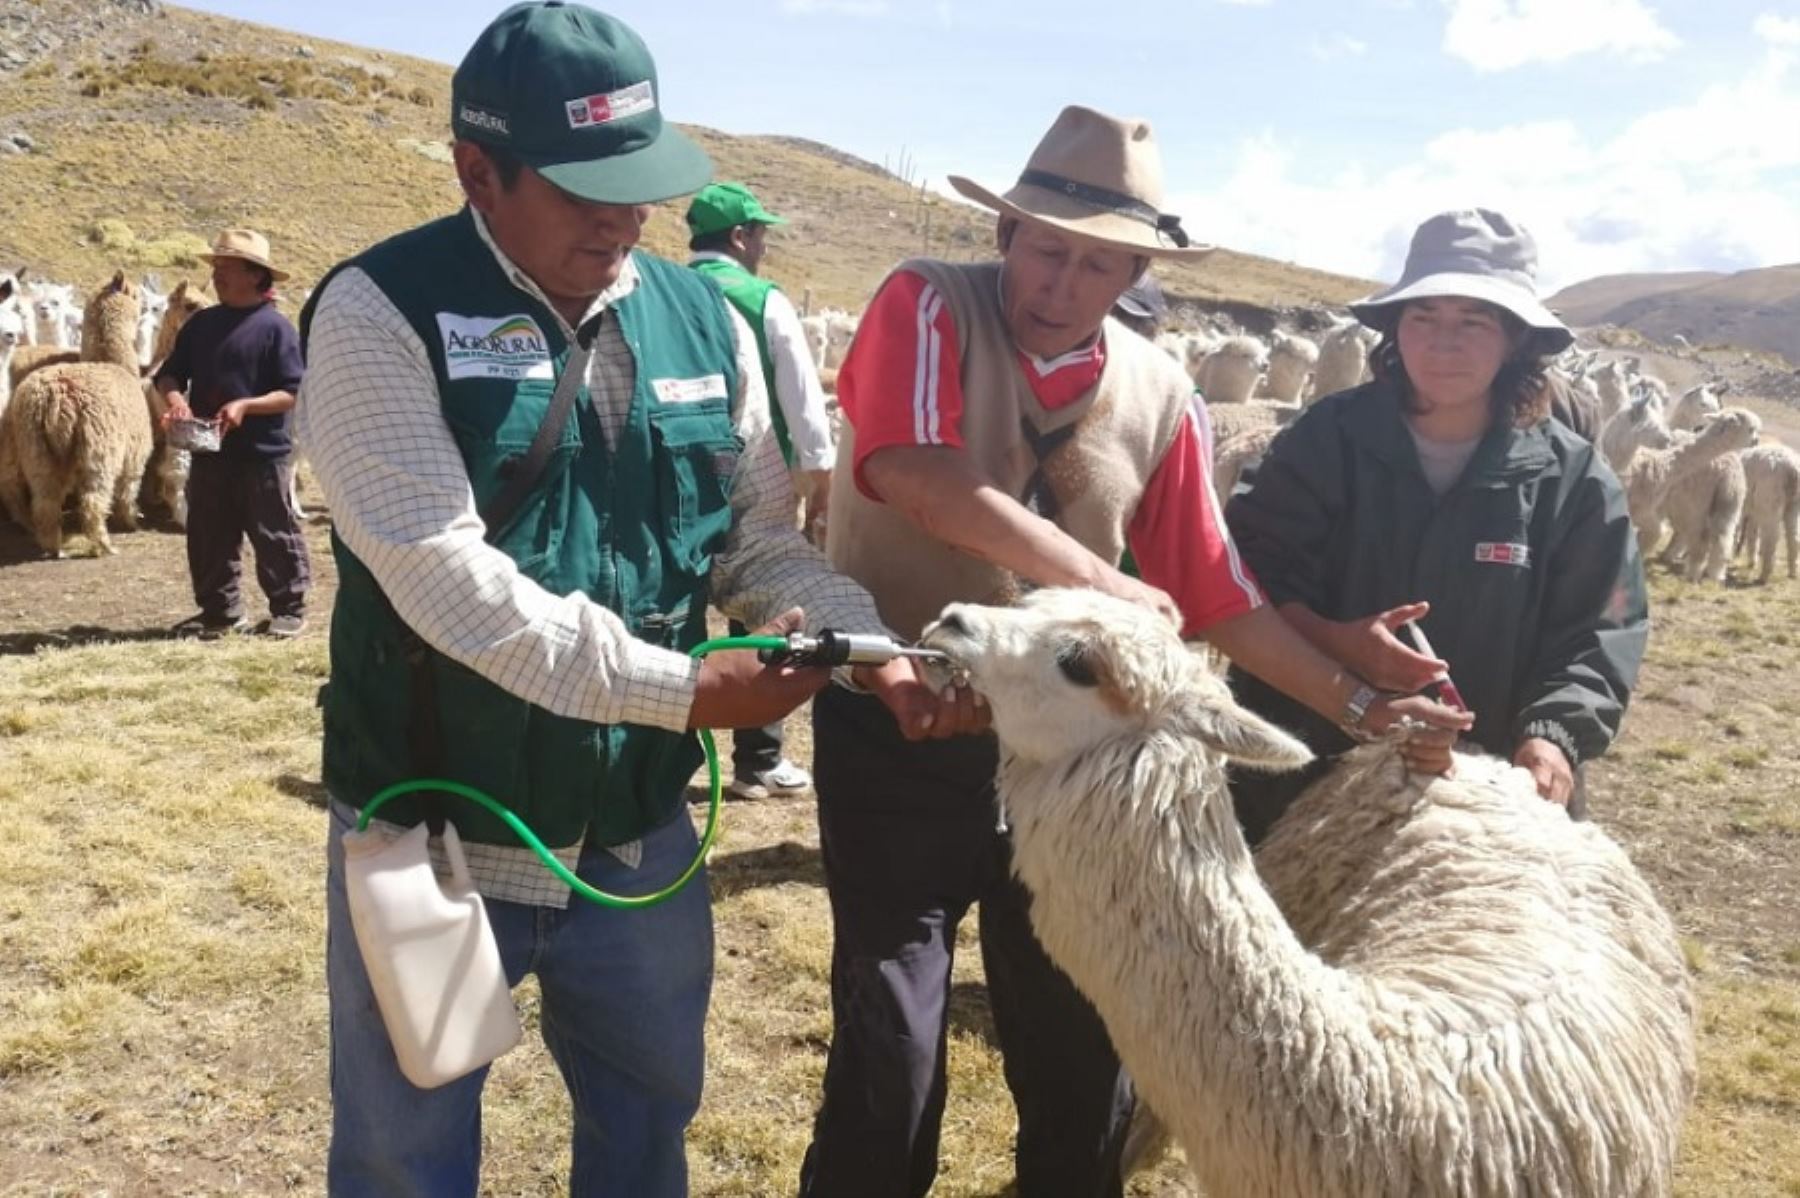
[[1446, 688]]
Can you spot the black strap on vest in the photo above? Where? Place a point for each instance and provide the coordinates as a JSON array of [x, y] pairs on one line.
[[425, 739], [521, 474]]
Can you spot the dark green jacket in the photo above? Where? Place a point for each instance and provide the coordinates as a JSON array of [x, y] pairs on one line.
[[633, 526], [1529, 563]]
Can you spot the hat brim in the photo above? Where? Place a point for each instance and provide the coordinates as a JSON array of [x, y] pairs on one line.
[[1029, 202], [1551, 334], [279, 275], [672, 165]]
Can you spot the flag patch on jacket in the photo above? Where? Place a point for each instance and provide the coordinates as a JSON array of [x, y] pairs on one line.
[[1503, 553]]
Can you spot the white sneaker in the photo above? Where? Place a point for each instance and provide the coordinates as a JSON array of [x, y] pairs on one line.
[[782, 780]]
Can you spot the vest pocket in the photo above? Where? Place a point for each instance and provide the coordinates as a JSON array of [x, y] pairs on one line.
[[696, 459]]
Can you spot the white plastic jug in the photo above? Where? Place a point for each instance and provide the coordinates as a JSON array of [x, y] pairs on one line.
[[430, 954]]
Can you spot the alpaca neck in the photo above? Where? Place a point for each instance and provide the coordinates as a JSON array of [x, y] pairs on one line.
[[1138, 864], [1694, 456], [107, 338]]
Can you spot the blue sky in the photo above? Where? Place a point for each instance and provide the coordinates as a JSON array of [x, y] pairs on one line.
[[1629, 134]]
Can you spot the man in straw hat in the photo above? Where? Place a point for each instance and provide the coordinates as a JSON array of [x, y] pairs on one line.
[[519, 621], [1003, 433], [239, 363]]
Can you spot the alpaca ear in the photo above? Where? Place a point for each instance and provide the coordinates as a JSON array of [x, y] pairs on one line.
[[118, 281], [1249, 739]]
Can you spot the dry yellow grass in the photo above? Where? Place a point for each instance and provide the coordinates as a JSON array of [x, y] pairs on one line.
[[162, 1014]]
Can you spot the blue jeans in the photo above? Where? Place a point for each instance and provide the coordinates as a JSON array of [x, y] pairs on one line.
[[624, 1011]]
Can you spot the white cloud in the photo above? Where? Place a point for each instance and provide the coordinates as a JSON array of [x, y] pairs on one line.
[[1498, 35], [1247, 3], [842, 8], [1710, 183], [1778, 30], [1332, 46]]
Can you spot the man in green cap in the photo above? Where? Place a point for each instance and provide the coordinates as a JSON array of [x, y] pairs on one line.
[[546, 453], [728, 236]]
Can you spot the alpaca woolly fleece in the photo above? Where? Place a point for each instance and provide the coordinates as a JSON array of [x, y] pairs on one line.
[[1475, 995]]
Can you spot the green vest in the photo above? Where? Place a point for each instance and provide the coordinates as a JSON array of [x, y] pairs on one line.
[[750, 296], [634, 528]]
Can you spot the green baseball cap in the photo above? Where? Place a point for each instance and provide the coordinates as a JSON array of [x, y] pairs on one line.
[[721, 206], [572, 92]]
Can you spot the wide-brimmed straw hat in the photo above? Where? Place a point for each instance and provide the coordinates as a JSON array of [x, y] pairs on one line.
[[1473, 253], [1097, 177], [248, 245]]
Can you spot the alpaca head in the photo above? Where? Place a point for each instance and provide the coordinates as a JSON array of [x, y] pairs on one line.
[[1645, 418], [1066, 670], [1695, 406], [1731, 430]]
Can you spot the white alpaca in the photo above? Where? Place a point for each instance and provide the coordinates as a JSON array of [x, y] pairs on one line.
[[80, 429], [1696, 406], [1654, 471], [1232, 372], [1639, 425], [1772, 506], [1612, 385], [1195, 346], [1232, 421], [12, 333], [1703, 510], [1292, 359], [1233, 456], [58, 318], [154, 305], [1343, 358], [1475, 996]]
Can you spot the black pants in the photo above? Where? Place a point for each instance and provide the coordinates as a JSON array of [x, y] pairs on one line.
[[230, 498], [753, 749], [909, 843]]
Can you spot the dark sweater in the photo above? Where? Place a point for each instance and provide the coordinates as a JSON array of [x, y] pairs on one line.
[[225, 353]]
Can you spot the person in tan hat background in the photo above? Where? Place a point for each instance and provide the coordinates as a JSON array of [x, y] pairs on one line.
[[1441, 492], [1002, 432], [238, 362]]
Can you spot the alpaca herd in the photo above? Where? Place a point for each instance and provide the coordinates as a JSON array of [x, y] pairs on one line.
[[1418, 986], [80, 426]]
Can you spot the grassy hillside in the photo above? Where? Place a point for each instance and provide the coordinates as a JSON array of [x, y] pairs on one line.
[[1589, 302], [150, 132], [1757, 309]]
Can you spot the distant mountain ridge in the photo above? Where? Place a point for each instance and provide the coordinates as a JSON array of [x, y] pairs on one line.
[[1757, 309]]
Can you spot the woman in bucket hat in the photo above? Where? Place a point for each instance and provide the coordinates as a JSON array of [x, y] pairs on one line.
[[1442, 493], [1002, 432]]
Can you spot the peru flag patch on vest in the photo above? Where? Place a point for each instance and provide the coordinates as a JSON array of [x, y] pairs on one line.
[[1502, 553]]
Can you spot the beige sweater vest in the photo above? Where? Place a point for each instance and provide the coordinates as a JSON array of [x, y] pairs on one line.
[[1099, 454]]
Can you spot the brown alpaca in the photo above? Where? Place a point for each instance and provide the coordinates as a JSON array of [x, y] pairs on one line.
[[81, 429], [165, 480]]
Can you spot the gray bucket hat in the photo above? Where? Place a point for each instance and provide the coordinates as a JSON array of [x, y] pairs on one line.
[[1478, 254]]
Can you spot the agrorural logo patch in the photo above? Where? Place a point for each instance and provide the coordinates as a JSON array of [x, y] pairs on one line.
[[494, 347], [483, 118]]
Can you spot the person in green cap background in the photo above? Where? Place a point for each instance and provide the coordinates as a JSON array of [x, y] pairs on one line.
[[728, 235], [519, 622]]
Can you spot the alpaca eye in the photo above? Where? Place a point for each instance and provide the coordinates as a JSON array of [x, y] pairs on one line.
[[1072, 660]]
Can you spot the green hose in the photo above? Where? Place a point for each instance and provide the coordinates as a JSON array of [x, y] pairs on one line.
[[519, 827]]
